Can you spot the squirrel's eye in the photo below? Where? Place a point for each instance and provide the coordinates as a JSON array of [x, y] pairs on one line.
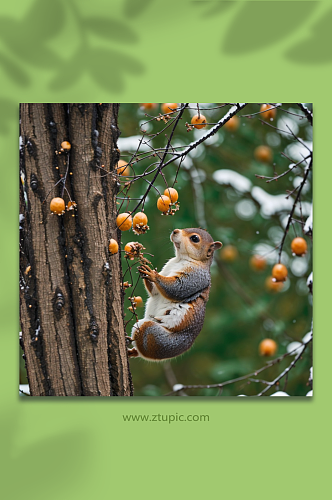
[[194, 238]]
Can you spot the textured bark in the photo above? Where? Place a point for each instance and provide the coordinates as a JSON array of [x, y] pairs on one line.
[[71, 298]]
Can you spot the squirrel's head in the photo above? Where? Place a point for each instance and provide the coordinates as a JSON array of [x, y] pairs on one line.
[[195, 243]]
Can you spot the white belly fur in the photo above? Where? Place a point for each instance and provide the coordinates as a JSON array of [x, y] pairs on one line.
[[157, 305]]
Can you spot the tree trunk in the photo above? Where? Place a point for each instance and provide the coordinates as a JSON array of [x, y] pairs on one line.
[[71, 298]]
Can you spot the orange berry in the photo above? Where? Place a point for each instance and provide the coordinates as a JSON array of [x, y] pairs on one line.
[[229, 253], [163, 203], [57, 206], [268, 113], [113, 246], [267, 347], [172, 194], [233, 123], [138, 301], [168, 107], [66, 145], [264, 154], [199, 121], [258, 263], [299, 246], [122, 168], [140, 218], [129, 249], [124, 221], [273, 286], [149, 105], [279, 272]]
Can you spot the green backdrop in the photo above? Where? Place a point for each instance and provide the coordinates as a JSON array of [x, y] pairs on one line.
[[180, 51]]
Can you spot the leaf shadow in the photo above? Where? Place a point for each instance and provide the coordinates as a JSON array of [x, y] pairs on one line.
[[134, 8], [316, 48], [15, 72], [27, 38], [215, 8], [26, 43], [261, 24], [107, 66], [61, 455], [110, 29], [8, 109]]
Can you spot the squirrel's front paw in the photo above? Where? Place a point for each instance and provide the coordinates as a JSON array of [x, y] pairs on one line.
[[147, 273]]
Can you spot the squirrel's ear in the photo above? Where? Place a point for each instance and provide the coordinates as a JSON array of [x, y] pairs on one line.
[[216, 245]]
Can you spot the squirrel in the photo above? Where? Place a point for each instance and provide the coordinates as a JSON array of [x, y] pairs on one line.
[[175, 310]]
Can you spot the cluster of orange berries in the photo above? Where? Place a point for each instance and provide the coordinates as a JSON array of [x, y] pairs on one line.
[[139, 223], [264, 153], [198, 121], [299, 247], [132, 250], [167, 109], [229, 253], [168, 203], [58, 206]]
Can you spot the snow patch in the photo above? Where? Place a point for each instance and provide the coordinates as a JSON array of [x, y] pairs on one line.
[[307, 337], [308, 224], [187, 163], [284, 123], [270, 204], [234, 179], [298, 151], [131, 144], [24, 388], [294, 348]]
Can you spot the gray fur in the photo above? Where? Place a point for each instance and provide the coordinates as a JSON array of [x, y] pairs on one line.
[[170, 344], [188, 286]]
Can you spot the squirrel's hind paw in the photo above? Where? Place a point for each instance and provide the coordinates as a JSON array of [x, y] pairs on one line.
[[132, 353]]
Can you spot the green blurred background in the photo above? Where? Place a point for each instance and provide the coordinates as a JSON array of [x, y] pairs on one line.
[[241, 311]]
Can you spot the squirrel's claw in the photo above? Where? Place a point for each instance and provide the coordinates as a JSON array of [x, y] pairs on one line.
[[146, 272]]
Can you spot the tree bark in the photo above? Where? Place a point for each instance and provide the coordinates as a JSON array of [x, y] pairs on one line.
[[71, 298]]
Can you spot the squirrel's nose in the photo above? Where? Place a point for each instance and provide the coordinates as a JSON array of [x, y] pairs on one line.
[[176, 231]]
